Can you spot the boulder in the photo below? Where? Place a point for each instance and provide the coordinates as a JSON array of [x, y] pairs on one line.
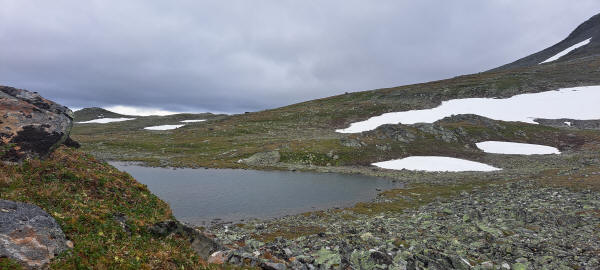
[[273, 266], [29, 235], [218, 257], [262, 158], [30, 125], [201, 244]]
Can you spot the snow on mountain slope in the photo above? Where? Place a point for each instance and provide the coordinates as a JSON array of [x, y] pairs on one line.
[[579, 103], [566, 51], [572, 47]]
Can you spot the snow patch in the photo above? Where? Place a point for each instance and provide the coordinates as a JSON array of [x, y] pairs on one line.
[[435, 164], [164, 127], [567, 50], [105, 120], [574, 103], [193, 121], [497, 147], [139, 111]]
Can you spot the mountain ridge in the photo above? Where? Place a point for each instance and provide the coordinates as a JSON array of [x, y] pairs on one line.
[[590, 29]]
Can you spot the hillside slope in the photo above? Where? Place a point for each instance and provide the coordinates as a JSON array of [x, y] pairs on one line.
[[305, 132]]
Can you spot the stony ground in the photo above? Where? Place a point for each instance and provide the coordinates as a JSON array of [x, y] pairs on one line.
[[514, 225]]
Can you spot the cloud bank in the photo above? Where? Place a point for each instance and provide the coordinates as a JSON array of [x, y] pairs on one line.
[[235, 56]]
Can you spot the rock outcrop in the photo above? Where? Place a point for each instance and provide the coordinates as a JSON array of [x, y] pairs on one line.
[[30, 125], [29, 235]]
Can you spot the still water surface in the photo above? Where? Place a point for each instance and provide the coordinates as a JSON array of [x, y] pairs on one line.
[[199, 196]]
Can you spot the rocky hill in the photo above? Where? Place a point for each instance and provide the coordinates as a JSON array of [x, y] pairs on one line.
[[87, 114]]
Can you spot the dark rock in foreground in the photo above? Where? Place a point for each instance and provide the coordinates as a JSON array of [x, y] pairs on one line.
[[30, 125], [29, 235]]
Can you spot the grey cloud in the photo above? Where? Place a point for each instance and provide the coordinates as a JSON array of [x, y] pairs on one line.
[[249, 55]]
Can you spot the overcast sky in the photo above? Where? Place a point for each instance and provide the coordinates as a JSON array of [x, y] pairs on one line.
[[248, 55]]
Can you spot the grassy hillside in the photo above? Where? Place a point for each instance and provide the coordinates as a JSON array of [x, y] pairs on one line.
[[305, 134], [85, 195]]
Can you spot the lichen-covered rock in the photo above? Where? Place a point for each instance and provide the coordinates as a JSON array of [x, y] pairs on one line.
[[29, 235], [351, 142], [262, 158], [328, 258], [30, 125]]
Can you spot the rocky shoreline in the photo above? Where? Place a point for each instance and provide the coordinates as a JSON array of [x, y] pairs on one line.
[[517, 225]]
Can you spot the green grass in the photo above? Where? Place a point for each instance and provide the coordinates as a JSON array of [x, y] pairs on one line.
[[6, 263], [415, 196], [83, 195]]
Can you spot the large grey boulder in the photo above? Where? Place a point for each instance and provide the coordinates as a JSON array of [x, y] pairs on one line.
[[30, 125], [29, 235]]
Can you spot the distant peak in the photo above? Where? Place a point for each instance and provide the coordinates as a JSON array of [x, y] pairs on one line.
[[582, 42], [87, 114]]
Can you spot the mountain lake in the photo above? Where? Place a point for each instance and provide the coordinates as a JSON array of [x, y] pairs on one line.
[[206, 196]]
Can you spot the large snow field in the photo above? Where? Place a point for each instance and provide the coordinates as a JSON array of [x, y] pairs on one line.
[[580, 103]]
